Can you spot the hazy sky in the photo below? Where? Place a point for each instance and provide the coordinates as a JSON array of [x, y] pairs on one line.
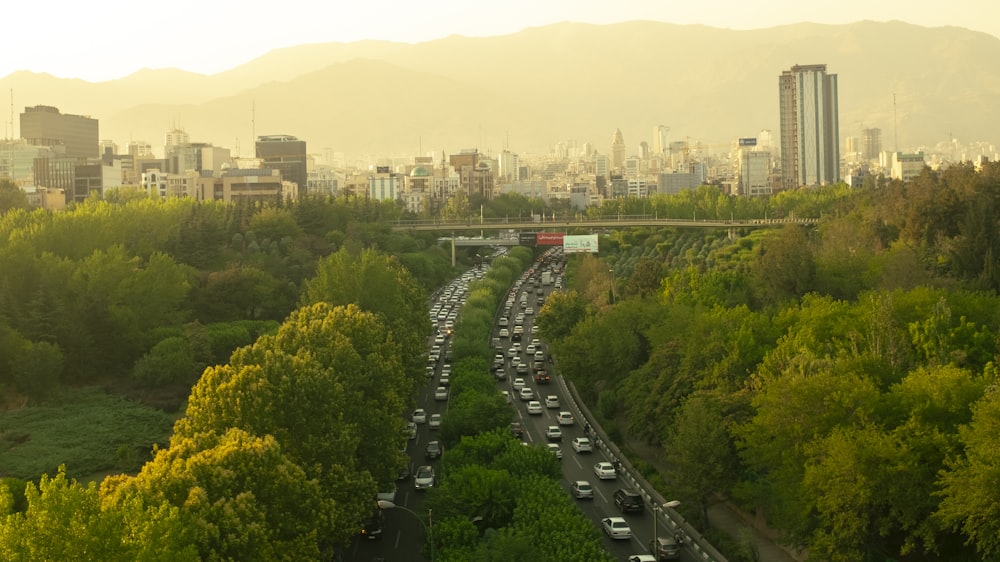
[[109, 39]]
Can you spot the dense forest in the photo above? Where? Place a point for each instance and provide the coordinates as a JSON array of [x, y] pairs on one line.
[[838, 380]]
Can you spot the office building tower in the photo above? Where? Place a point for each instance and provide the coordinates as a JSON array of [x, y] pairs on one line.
[[810, 135], [617, 150], [660, 142], [871, 143], [286, 154], [43, 125]]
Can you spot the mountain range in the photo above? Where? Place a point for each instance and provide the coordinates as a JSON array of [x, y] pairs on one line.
[[569, 81]]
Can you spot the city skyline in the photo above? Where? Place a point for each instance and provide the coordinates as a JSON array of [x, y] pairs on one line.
[[76, 45]]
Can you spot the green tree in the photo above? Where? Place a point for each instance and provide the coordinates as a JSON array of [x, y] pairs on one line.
[[970, 495], [11, 197], [700, 453], [240, 496], [378, 284]]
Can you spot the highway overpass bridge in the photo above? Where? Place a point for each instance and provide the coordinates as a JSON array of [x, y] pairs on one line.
[[508, 230], [559, 223]]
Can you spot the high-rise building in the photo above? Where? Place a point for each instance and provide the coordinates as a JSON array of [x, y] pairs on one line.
[[810, 132], [660, 141], [871, 143], [617, 150], [286, 154], [43, 125]]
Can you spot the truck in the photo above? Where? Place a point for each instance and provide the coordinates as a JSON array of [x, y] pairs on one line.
[[546, 278]]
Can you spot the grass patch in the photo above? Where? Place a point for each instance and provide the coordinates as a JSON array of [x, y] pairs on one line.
[[85, 429]]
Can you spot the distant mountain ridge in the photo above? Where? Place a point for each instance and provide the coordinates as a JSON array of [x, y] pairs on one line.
[[554, 83]]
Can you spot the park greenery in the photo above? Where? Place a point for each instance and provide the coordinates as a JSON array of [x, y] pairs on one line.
[[838, 380]]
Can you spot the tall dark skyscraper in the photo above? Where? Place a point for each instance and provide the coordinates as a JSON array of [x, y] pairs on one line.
[[286, 154], [43, 125], [810, 131]]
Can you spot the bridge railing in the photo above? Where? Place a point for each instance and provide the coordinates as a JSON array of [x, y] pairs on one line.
[[603, 220]]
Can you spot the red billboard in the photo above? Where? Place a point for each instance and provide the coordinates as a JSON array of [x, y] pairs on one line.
[[549, 238]]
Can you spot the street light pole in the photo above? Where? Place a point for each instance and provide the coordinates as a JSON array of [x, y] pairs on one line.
[[656, 509], [428, 527]]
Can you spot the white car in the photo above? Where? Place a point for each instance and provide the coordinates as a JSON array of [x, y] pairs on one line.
[[529, 311], [512, 352], [555, 450], [535, 408], [551, 401], [565, 418], [642, 558], [435, 421], [441, 393], [419, 416], [518, 384], [505, 395], [616, 527], [605, 471], [582, 489], [504, 333], [582, 445], [424, 478], [526, 394], [411, 430], [553, 433]]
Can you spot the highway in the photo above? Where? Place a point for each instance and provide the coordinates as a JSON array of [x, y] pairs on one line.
[[403, 535]]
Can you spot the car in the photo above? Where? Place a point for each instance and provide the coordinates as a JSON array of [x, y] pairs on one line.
[[500, 374], [506, 396], [518, 384], [565, 418], [522, 368], [551, 401], [433, 450], [517, 429], [512, 352], [535, 408], [504, 333], [441, 393], [529, 311], [553, 433], [616, 528], [539, 356], [424, 478], [629, 501], [419, 416], [444, 380], [504, 322], [526, 394], [411, 430], [555, 450], [530, 350], [499, 360], [439, 338], [435, 421], [582, 445], [542, 377], [605, 471], [371, 527], [404, 473], [642, 558], [581, 489], [665, 548], [387, 495]]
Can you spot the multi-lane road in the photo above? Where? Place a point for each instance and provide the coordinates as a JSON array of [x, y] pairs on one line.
[[404, 531]]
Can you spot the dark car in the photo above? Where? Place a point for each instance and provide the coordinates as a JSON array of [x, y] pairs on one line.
[[434, 450], [517, 430], [542, 377], [371, 528], [628, 501], [665, 548]]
